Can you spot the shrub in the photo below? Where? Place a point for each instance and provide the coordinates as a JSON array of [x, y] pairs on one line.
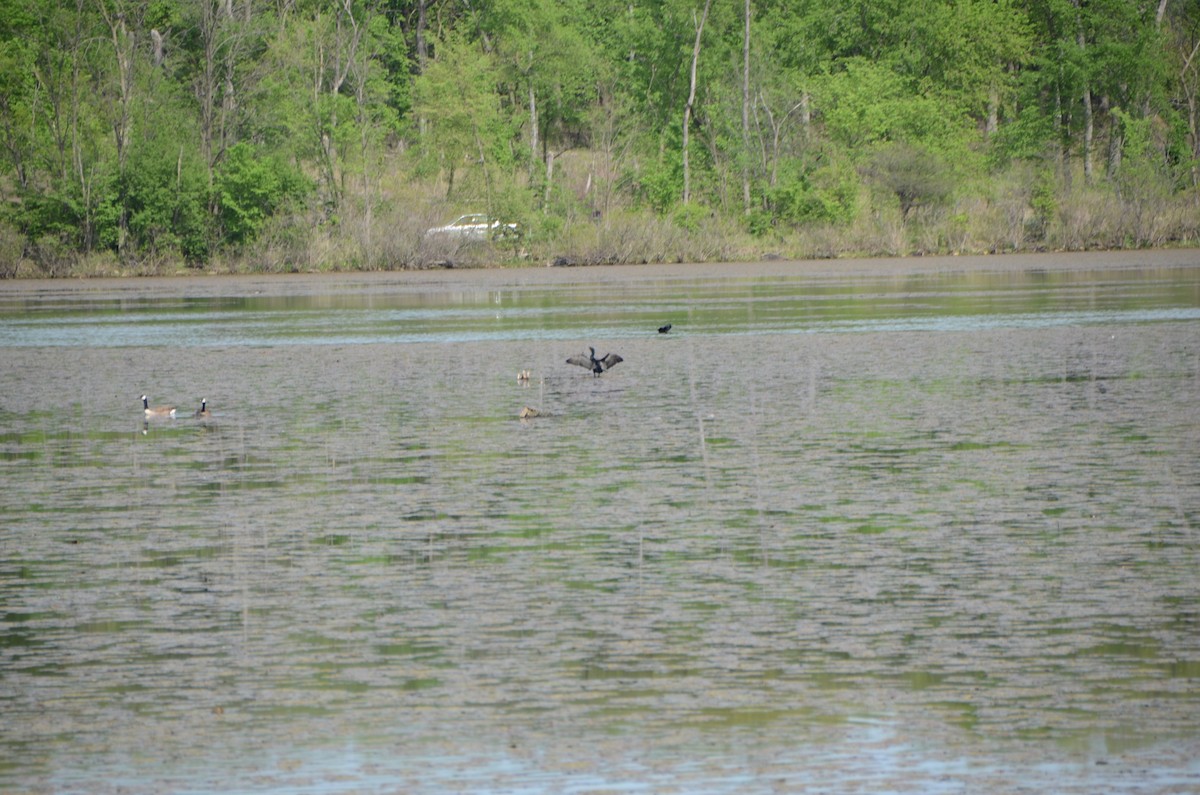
[[54, 255], [660, 185], [918, 177], [250, 187], [12, 249], [166, 200]]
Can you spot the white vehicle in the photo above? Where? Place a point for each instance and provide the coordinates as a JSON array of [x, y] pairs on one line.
[[473, 228]]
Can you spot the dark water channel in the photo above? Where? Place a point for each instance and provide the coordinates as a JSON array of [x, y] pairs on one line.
[[877, 531]]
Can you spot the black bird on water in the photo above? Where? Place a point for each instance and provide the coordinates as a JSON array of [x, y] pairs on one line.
[[664, 329], [597, 366]]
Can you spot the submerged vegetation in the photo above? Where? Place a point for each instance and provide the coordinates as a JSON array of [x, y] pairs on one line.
[[148, 137]]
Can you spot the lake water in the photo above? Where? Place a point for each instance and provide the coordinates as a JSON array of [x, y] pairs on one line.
[[928, 526]]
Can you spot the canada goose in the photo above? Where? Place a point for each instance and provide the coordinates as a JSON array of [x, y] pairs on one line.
[[523, 377], [597, 366], [203, 413], [664, 329], [528, 412], [157, 411]]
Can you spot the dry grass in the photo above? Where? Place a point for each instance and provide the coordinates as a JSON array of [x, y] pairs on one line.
[[629, 237], [1024, 209], [12, 251]]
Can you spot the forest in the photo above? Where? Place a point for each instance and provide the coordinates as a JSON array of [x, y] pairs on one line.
[[162, 136]]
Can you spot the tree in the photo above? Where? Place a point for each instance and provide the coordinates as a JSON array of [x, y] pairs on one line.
[[1184, 52], [868, 104], [122, 20], [457, 95], [917, 177], [687, 107], [549, 65], [251, 185], [118, 117], [16, 106], [220, 69], [746, 108]]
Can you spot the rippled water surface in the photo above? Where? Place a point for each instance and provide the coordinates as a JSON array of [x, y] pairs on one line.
[[885, 529]]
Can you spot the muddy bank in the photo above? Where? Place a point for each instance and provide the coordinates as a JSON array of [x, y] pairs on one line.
[[498, 277]]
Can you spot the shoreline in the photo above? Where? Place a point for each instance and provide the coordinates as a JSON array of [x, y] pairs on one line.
[[867, 267]]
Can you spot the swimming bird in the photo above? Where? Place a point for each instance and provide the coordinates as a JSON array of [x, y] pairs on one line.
[[157, 411], [527, 413], [664, 329], [523, 377], [597, 366], [203, 413]]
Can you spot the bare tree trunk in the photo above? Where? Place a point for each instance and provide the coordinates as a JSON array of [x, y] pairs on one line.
[[159, 53], [77, 164], [206, 86], [229, 95], [549, 178], [1088, 124], [1191, 86], [123, 41], [608, 157], [360, 71], [993, 113], [1158, 18], [487, 172], [746, 113], [1088, 133], [1194, 131], [1116, 140], [534, 154], [348, 33], [12, 142], [422, 26], [422, 52], [1062, 153], [777, 126], [687, 109]]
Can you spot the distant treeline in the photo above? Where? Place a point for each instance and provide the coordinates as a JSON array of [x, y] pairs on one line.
[[147, 136]]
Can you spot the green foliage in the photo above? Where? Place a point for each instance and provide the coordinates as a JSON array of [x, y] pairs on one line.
[[456, 101], [1027, 137], [802, 195], [249, 187], [12, 249], [969, 52], [660, 184], [690, 217], [248, 115], [57, 213], [17, 87], [918, 177], [868, 104], [1044, 203], [166, 199], [544, 52]]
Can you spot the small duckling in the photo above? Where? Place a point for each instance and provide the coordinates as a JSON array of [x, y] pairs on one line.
[[203, 413], [528, 413], [156, 411]]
